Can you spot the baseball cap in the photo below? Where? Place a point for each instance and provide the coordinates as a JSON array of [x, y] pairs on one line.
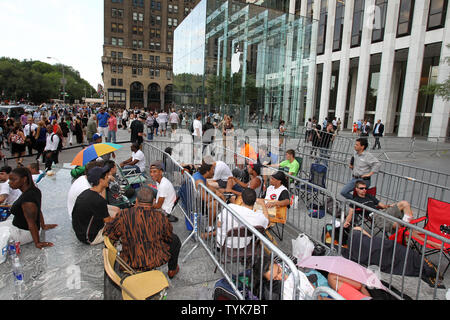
[[279, 175], [157, 165], [96, 136], [94, 174]]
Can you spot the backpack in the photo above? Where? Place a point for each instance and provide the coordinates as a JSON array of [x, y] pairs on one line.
[[224, 291], [191, 127]]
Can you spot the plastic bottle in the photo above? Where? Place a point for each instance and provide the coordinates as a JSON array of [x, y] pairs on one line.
[[18, 278], [12, 249]]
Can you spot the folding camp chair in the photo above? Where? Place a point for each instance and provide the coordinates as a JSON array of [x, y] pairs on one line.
[[130, 177], [252, 250], [363, 217], [436, 221], [134, 285], [318, 175]]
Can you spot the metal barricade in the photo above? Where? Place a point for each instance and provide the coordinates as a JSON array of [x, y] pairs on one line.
[[244, 268], [367, 238]]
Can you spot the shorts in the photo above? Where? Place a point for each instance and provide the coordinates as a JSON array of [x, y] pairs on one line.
[[350, 293], [163, 126], [222, 184], [380, 222], [173, 126]]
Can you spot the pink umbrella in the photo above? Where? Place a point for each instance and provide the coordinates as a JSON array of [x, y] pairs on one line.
[[343, 267]]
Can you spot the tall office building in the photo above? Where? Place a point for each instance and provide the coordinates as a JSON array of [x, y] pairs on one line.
[[137, 51], [373, 56]]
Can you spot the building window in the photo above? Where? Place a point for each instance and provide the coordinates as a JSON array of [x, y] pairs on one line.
[[169, 22], [120, 82], [156, 5], [169, 35], [114, 41], [135, 16], [175, 22], [113, 82], [120, 55], [119, 69], [141, 17], [113, 68], [322, 27], [169, 74], [117, 13], [358, 19], [405, 18], [380, 21], [338, 26], [157, 73], [113, 54], [436, 16], [169, 47], [138, 3], [152, 73]]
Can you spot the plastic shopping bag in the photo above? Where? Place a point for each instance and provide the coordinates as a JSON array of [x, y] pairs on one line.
[[302, 247]]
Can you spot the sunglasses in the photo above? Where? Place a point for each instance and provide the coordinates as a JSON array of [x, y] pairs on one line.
[[364, 188]]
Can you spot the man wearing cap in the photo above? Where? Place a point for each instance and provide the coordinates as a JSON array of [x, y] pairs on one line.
[[277, 193], [102, 122], [91, 208], [137, 160], [97, 138], [166, 196]]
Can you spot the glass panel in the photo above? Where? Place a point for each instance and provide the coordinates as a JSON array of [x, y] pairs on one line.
[[242, 60]]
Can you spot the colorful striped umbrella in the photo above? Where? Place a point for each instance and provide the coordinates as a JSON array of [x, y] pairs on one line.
[[93, 152]]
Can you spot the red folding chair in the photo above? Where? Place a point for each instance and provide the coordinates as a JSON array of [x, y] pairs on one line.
[[436, 221]]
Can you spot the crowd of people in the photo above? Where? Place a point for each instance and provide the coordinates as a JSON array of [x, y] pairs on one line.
[[145, 228]]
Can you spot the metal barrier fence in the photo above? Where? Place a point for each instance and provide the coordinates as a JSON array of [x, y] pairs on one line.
[[239, 250], [390, 187], [314, 208], [402, 266]]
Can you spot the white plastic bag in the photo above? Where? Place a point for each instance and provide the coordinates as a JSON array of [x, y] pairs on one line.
[[4, 237], [302, 247]]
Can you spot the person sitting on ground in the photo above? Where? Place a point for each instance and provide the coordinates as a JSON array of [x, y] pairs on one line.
[[166, 195], [7, 194], [236, 186], [26, 210], [137, 160], [290, 163], [208, 203], [80, 184], [146, 235], [226, 221], [90, 211], [36, 173], [399, 210]]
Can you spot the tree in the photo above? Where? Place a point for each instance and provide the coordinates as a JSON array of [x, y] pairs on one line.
[[38, 82]]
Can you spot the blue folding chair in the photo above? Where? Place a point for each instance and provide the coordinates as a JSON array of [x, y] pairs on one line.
[[317, 177]]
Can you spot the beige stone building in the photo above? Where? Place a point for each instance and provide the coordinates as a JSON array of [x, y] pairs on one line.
[[137, 51]]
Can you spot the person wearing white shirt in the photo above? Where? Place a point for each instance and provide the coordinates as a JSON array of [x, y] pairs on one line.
[[163, 119], [222, 173], [174, 119], [227, 222], [166, 195], [137, 160], [78, 186], [51, 148], [197, 125], [30, 131], [7, 195]]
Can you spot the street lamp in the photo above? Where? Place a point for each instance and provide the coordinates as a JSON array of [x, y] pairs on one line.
[[63, 79]]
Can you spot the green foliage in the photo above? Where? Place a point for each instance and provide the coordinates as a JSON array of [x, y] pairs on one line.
[[38, 82], [439, 89]]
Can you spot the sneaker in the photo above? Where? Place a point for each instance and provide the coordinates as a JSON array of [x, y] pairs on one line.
[[172, 218], [172, 273]]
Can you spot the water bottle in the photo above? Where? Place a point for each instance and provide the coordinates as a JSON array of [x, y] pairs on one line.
[[12, 249], [18, 278]]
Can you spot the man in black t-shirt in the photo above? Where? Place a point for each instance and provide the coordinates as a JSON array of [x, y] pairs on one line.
[[399, 210], [91, 209], [137, 129]]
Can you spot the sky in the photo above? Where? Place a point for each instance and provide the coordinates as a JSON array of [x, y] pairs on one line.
[[69, 30]]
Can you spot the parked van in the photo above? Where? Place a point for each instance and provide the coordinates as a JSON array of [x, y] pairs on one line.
[[13, 112]]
